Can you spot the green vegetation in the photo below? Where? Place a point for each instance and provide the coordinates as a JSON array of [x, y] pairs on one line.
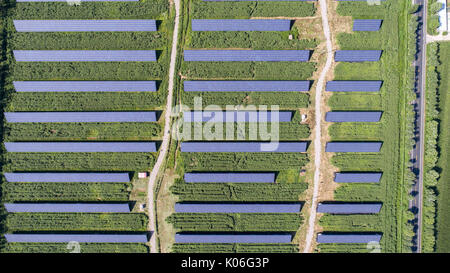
[[82, 192], [28, 222], [343, 248], [436, 168], [351, 223], [84, 248], [250, 192], [432, 16], [235, 248], [235, 222]]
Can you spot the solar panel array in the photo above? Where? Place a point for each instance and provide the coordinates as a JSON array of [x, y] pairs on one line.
[[348, 208], [237, 116], [237, 208], [357, 177], [366, 24], [357, 55], [246, 86], [348, 238], [80, 147], [244, 147], [83, 25], [246, 55], [229, 177], [81, 238], [67, 177], [353, 116], [67, 207], [356, 147], [14, 117], [85, 55], [85, 86], [241, 25], [353, 86], [232, 238]]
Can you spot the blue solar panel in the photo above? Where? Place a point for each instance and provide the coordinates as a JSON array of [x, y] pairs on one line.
[[238, 208], [229, 177], [84, 25], [357, 55], [232, 238], [80, 117], [349, 238], [366, 25], [354, 116], [246, 55], [237, 116], [240, 25], [353, 86], [244, 86], [80, 147], [358, 147], [67, 207], [84, 55], [246, 147], [85, 86], [81, 238], [67, 177], [349, 208], [357, 177]]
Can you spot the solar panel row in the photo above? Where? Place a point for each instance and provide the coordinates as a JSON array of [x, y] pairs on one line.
[[80, 147], [81, 238], [245, 147], [246, 55], [357, 177], [237, 116], [240, 25], [85, 86], [366, 24], [67, 207], [232, 238], [348, 238], [354, 116], [14, 117], [348, 208], [353, 86], [229, 177], [356, 147], [67, 177], [246, 86], [237, 208], [85, 55], [83, 25], [357, 55]]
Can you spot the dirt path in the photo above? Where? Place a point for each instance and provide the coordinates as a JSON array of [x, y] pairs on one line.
[[439, 38], [166, 137], [318, 116]]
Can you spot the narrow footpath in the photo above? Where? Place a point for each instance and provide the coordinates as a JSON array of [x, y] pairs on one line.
[[166, 138], [318, 127]]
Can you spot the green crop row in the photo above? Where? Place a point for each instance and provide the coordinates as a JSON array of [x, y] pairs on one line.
[[154, 9], [243, 161], [351, 223], [84, 248], [249, 192], [248, 70], [81, 192], [220, 10], [30, 222], [257, 40], [359, 192], [358, 162], [261, 222], [81, 131], [235, 248], [355, 131], [355, 102], [344, 248]]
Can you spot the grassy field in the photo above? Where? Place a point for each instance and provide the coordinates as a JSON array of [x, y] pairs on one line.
[[390, 69]]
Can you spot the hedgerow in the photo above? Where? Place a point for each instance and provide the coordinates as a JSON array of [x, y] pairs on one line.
[[84, 248]]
